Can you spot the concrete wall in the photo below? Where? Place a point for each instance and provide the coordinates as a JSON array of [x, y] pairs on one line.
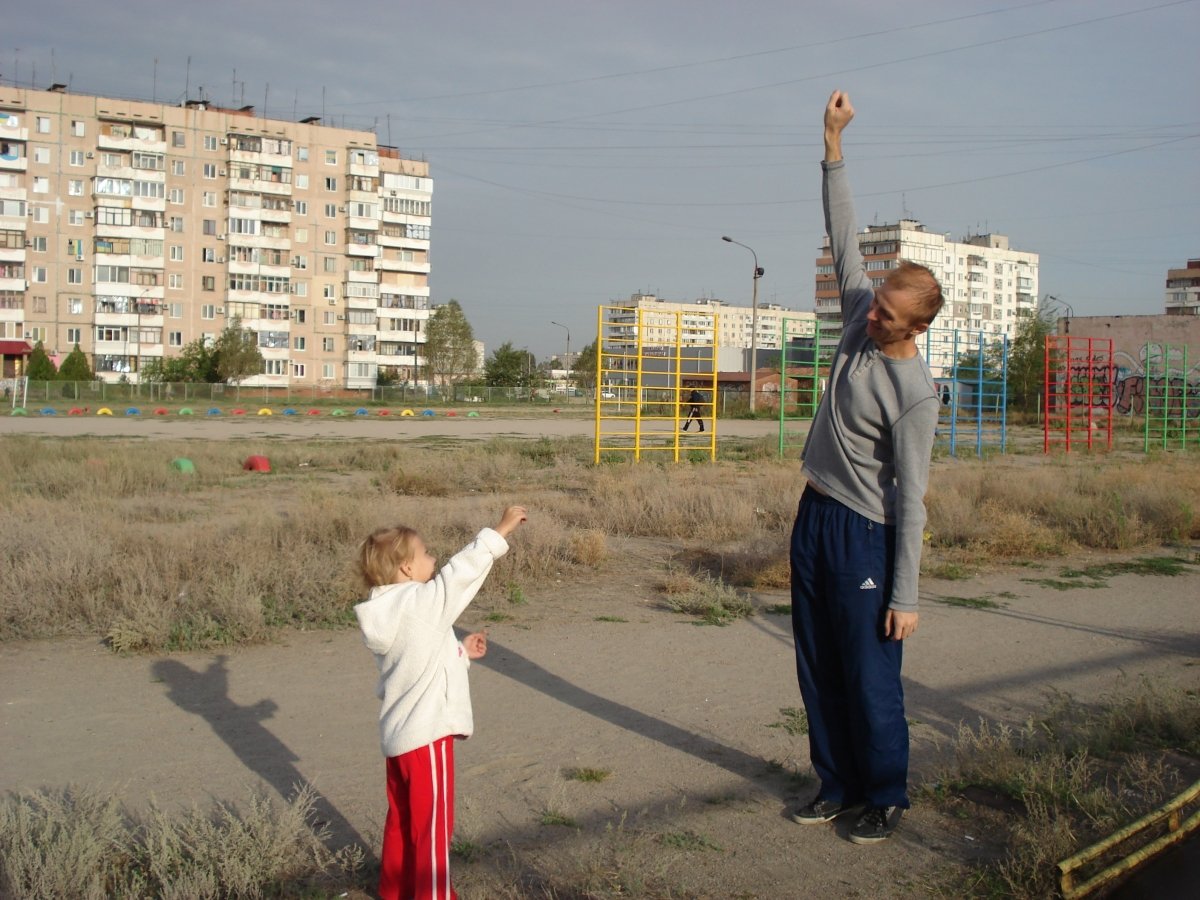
[[1136, 337]]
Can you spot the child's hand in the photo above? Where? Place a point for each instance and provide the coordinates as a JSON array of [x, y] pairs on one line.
[[513, 516], [476, 644]]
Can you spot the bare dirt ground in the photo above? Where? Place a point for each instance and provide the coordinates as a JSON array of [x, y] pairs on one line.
[[588, 674]]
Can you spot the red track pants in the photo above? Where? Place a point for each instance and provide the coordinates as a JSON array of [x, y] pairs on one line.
[[420, 821]]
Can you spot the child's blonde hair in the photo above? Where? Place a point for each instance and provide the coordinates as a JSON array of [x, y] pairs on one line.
[[383, 552]]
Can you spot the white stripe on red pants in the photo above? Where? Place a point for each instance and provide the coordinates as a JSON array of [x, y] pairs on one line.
[[420, 821]]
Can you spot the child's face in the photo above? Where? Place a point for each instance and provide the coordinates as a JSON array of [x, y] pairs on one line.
[[422, 565]]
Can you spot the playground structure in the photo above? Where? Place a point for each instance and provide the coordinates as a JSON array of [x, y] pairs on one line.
[[1078, 397], [647, 364], [1168, 400]]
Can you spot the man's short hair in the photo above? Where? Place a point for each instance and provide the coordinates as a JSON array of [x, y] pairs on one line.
[[923, 284]]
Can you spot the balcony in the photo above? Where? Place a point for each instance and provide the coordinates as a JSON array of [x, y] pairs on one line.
[[10, 163]]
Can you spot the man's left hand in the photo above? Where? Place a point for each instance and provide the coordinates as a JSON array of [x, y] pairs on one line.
[[899, 625]]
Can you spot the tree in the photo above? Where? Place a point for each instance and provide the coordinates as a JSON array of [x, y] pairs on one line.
[[1027, 362], [237, 353], [508, 367], [449, 345], [75, 367], [40, 366], [583, 373], [195, 364]]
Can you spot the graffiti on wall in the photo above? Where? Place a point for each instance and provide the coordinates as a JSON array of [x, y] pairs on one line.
[[1157, 378]]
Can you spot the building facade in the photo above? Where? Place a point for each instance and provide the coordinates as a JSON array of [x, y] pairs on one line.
[[988, 286], [1183, 290], [734, 323], [133, 228]]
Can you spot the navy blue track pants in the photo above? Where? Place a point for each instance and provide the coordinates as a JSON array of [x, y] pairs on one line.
[[849, 672]]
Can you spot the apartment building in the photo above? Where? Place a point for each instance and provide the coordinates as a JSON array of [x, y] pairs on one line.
[[1183, 290], [133, 228], [988, 285], [734, 323]]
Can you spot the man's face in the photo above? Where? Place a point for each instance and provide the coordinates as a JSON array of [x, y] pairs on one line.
[[892, 316]]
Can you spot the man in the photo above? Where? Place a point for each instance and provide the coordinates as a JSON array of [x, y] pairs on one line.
[[856, 544], [695, 399]]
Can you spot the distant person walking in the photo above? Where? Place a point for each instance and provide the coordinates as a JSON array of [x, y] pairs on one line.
[[695, 399], [856, 544]]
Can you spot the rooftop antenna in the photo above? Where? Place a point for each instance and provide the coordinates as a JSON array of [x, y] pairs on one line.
[[154, 89], [187, 81], [389, 128], [322, 103], [295, 103], [53, 68], [266, 97], [233, 89]]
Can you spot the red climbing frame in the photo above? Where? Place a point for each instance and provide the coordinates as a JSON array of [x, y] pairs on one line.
[[1078, 391]]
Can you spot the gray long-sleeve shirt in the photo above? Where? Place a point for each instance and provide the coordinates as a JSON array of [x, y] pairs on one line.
[[871, 440]]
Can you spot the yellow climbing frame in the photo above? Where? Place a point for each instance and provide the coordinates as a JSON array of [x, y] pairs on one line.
[[647, 365]]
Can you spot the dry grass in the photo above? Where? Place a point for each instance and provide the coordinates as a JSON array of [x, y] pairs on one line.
[[79, 843], [105, 537], [1078, 774]]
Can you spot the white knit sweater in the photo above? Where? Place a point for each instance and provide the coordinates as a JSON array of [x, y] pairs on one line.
[[422, 665]]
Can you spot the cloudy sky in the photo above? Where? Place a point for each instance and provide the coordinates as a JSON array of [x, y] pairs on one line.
[[583, 151]]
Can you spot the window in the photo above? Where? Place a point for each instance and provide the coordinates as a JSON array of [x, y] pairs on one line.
[[297, 370], [330, 239], [152, 161], [302, 207], [175, 310], [302, 182], [39, 274], [77, 157], [208, 255], [327, 344], [329, 318], [176, 253], [302, 154], [41, 155], [75, 306], [298, 343], [178, 167], [274, 366], [77, 128], [38, 244], [75, 217], [41, 185], [327, 371], [331, 157], [175, 338], [301, 236], [176, 196], [210, 198], [74, 335], [177, 139], [209, 226], [208, 311], [175, 281], [330, 210], [329, 264], [300, 261], [329, 291], [208, 283], [210, 170], [331, 184], [298, 314], [41, 215], [43, 125], [74, 276], [210, 142]]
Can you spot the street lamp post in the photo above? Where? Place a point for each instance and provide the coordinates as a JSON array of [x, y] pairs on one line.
[[758, 273], [567, 359]]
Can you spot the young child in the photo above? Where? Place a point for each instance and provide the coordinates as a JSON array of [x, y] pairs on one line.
[[407, 622]]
